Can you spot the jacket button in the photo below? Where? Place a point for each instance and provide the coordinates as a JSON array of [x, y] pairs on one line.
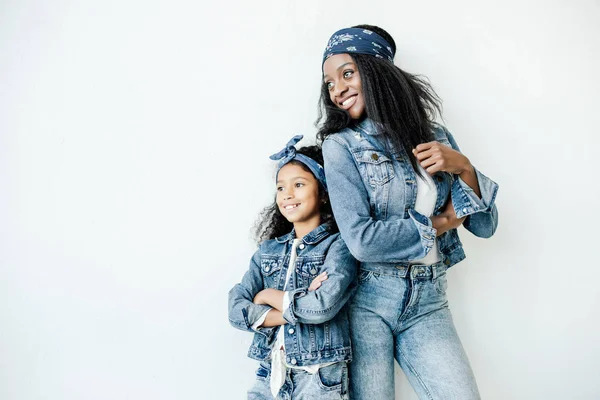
[[447, 261], [301, 246], [291, 331], [267, 269], [313, 271], [293, 361], [374, 156], [439, 178]]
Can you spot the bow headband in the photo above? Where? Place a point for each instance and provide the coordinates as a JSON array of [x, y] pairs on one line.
[[358, 41], [289, 153]]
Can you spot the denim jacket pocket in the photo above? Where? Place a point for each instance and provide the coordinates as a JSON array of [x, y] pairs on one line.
[[309, 270], [270, 268], [375, 166]]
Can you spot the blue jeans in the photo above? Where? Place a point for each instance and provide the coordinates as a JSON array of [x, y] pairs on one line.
[[329, 383], [402, 312]]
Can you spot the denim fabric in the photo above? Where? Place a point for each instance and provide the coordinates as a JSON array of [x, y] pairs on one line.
[[401, 312], [373, 193], [317, 329], [329, 383]]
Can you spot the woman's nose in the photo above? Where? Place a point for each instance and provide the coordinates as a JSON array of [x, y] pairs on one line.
[[340, 88]]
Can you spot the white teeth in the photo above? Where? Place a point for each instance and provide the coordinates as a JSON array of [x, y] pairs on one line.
[[347, 101], [291, 206]]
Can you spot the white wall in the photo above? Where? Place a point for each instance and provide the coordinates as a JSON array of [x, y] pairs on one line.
[[134, 143]]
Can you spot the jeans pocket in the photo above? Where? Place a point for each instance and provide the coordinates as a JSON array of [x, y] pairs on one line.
[[364, 276], [441, 284], [332, 377], [263, 371]]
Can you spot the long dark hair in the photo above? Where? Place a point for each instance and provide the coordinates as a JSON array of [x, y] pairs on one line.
[[403, 106], [272, 224]]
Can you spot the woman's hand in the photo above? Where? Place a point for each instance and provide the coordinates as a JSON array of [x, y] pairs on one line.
[[435, 157], [316, 283], [446, 220]]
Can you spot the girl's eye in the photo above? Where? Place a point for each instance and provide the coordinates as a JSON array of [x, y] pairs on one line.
[[279, 188], [348, 74], [299, 184], [329, 85]]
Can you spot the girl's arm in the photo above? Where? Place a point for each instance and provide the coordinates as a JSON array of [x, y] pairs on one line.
[[243, 313], [319, 306], [274, 318]]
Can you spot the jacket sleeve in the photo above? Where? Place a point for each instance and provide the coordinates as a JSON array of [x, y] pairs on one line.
[[370, 240], [321, 305], [481, 213], [243, 313]]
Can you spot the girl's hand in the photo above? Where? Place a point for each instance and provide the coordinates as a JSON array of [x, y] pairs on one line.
[[316, 283], [435, 157]]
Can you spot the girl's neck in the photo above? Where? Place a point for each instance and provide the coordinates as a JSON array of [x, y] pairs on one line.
[[304, 228]]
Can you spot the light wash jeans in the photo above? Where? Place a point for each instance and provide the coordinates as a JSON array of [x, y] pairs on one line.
[[329, 383], [402, 312]]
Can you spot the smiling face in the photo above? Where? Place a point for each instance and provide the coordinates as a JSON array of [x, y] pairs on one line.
[[340, 75], [298, 197]]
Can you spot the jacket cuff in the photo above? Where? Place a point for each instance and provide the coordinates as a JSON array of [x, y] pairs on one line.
[[426, 230], [252, 314], [290, 310], [466, 202]]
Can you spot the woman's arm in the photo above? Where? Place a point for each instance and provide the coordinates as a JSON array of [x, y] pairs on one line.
[[396, 239], [473, 194]]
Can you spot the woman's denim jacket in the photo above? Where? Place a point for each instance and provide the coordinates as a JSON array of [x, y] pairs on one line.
[[373, 194], [317, 330]]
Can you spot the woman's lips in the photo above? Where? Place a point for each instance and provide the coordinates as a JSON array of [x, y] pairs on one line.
[[349, 102]]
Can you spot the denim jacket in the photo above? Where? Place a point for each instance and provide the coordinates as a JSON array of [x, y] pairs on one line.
[[317, 330], [373, 194]]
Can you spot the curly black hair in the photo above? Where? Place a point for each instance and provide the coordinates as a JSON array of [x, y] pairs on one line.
[[272, 224], [403, 106]]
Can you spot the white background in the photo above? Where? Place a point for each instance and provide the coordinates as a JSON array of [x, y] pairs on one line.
[[134, 144]]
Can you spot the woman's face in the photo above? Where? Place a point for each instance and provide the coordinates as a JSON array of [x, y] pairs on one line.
[[342, 79]]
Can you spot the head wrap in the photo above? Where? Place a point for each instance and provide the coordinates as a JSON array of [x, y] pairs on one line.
[[289, 154], [358, 41]]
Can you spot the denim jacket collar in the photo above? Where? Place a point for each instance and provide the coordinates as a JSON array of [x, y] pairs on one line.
[[313, 237], [366, 126]]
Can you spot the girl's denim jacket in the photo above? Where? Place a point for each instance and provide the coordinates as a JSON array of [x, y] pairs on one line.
[[373, 194], [317, 330]]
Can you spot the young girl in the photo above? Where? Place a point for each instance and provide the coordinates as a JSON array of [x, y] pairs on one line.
[[399, 188], [293, 295]]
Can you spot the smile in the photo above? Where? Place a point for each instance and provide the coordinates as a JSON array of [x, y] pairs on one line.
[[349, 102], [291, 206]]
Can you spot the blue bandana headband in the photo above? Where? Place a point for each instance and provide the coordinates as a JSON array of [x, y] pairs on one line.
[[289, 154], [358, 41]]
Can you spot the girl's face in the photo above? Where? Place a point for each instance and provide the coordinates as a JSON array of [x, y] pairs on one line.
[[298, 195], [342, 79]]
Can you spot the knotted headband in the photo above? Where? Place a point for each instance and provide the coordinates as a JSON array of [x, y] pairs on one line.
[[358, 41], [289, 153]]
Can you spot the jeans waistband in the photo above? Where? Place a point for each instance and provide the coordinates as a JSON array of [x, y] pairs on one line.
[[406, 270]]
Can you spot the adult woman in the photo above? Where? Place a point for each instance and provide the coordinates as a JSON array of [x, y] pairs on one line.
[[399, 188]]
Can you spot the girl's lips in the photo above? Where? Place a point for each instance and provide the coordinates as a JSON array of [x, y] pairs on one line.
[[291, 206]]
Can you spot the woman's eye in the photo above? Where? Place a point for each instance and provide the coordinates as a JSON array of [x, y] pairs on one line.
[[279, 188], [329, 85], [299, 184], [348, 74]]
